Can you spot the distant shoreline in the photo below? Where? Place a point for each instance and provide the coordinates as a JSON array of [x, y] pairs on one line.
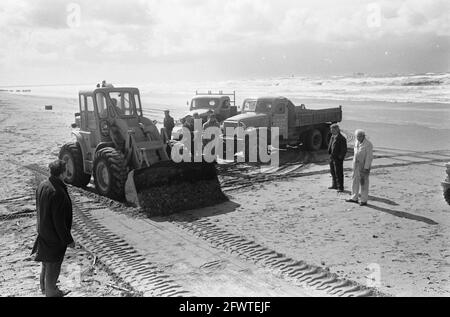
[[306, 100]]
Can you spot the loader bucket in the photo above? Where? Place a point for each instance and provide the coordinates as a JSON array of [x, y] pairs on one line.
[[167, 187]]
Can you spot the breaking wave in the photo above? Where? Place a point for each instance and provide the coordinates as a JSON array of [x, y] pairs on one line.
[[413, 88], [424, 82]]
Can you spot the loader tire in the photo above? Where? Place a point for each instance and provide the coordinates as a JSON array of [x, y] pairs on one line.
[[314, 140], [447, 195], [75, 175], [110, 173]]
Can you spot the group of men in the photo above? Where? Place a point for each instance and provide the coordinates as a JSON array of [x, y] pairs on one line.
[[104, 84], [362, 163], [189, 122]]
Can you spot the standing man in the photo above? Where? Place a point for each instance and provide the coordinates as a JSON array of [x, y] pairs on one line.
[[169, 124], [189, 124], [362, 163], [54, 222], [211, 123], [197, 117], [197, 123], [337, 150]]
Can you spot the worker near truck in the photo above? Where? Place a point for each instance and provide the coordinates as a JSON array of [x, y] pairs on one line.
[[169, 124], [211, 123], [196, 116], [197, 122], [337, 150], [54, 223], [362, 163], [189, 124]]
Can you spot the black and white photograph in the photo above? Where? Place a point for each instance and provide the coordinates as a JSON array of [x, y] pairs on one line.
[[233, 149]]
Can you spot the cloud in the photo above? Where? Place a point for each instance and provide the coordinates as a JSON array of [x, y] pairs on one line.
[[412, 16], [40, 32], [47, 14]]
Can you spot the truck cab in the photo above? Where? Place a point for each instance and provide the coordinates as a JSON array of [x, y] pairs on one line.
[[221, 104], [263, 112]]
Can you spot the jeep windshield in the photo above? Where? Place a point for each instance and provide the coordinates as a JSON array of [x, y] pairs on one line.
[[205, 103], [249, 106]]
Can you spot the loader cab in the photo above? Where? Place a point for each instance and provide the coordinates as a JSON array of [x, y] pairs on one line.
[[118, 103], [89, 119], [98, 108], [107, 103]]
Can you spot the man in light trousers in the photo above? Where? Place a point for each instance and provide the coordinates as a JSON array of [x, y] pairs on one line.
[[362, 163]]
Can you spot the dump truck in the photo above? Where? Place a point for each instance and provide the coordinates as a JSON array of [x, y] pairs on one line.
[[126, 155], [297, 124], [223, 105], [446, 185]]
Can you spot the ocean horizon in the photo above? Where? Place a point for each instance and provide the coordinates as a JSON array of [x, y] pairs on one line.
[[416, 99], [413, 88]]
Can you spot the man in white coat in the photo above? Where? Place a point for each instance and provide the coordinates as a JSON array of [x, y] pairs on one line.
[[362, 163]]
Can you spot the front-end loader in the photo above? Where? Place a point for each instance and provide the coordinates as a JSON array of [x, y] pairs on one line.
[[128, 158]]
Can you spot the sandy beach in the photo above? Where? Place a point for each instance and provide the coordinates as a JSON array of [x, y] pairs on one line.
[[403, 234]]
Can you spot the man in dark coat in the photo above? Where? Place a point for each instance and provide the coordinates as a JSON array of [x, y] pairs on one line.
[[337, 150], [54, 222], [169, 124], [211, 123]]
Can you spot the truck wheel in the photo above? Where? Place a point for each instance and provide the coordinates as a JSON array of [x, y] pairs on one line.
[[110, 173], [314, 140], [447, 195], [72, 155]]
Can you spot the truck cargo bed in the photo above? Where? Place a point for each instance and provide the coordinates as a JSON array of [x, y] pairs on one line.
[[305, 117]]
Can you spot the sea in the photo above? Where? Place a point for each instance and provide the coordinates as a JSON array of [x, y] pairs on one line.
[[413, 100]]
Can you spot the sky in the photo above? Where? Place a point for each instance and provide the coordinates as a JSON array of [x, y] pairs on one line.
[[135, 41]]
